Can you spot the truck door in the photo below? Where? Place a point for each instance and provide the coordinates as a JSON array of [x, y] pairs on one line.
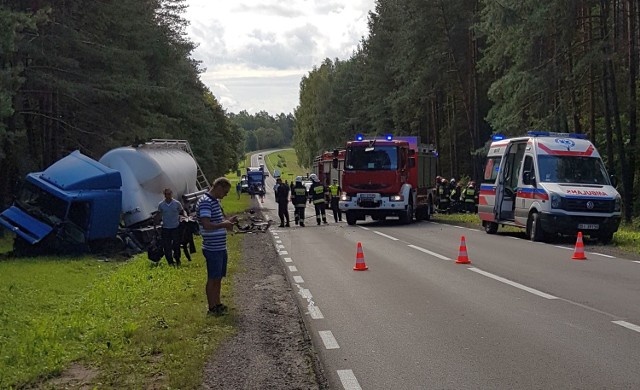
[[525, 195]]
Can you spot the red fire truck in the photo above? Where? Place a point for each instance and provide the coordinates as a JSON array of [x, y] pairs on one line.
[[329, 166], [388, 177]]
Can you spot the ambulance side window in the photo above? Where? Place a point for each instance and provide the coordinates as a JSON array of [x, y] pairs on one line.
[[528, 173], [491, 169]]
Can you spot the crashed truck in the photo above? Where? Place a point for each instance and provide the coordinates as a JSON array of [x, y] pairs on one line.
[[82, 205]]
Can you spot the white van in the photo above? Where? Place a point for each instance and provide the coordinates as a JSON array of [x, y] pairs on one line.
[[548, 184]]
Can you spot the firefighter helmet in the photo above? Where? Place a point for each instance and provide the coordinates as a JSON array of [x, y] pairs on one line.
[[313, 177], [453, 181], [299, 179], [472, 184]]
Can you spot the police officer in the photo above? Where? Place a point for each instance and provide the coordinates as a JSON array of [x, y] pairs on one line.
[[299, 199], [334, 192], [316, 195]]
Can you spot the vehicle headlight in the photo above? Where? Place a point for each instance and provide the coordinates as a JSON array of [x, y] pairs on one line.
[[345, 198], [555, 201], [396, 198], [618, 204]]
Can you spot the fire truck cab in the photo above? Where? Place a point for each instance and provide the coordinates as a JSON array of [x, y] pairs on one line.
[[548, 184]]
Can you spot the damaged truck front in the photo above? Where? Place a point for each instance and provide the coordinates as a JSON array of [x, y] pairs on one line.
[[82, 205]]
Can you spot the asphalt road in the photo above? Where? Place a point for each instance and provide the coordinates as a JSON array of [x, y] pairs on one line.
[[520, 315]]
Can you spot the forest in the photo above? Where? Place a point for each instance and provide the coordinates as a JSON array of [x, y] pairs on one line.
[[454, 72], [94, 75]]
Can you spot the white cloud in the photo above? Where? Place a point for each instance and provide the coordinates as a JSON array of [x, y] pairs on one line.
[[256, 52]]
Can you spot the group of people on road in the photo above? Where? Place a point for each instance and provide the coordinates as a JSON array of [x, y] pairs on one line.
[[300, 196], [455, 197]]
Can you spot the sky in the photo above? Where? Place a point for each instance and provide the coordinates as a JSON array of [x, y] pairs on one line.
[[256, 52]]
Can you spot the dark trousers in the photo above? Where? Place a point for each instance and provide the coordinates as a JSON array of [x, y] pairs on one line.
[[320, 212], [171, 244], [283, 212], [337, 214], [299, 215]]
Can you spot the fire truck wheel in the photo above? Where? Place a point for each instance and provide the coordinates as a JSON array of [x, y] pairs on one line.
[[534, 229], [351, 218], [490, 227], [407, 216]]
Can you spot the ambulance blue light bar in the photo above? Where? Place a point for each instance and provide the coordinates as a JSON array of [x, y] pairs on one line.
[[359, 137], [497, 137], [388, 137], [553, 134]]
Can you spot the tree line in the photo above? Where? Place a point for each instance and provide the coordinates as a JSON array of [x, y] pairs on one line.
[[94, 75], [263, 131], [454, 72]]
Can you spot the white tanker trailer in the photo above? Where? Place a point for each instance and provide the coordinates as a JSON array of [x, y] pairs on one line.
[[79, 204]]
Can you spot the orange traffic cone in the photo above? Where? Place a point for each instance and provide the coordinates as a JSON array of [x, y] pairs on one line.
[[462, 254], [578, 253], [360, 265]]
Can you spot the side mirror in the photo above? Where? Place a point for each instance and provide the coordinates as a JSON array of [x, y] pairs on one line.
[[412, 162], [614, 180], [334, 163]]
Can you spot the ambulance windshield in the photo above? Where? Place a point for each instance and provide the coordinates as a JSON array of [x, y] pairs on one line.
[[572, 169], [372, 158]]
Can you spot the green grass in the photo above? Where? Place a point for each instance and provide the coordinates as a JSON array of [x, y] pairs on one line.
[[133, 322], [287, 162]]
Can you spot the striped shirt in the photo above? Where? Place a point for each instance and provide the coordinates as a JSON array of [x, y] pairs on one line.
[[209, 207]]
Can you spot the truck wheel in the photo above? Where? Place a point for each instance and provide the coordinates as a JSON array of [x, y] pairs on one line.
[[490, 227], [351, 218], [407, 216], [534, 229], [605, 238]]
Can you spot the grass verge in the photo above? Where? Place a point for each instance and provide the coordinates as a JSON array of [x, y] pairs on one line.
[[287, 162], [132, 324]]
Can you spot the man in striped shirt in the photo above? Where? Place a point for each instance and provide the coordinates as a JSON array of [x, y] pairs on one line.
[[213, 228]]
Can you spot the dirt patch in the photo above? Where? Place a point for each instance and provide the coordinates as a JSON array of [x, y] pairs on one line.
[[272, 349], [76, 376]]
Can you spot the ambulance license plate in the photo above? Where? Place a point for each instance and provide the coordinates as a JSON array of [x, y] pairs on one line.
[[588, 226]]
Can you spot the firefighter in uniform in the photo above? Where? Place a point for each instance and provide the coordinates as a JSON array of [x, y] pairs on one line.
[[470, 197], [443, 194], [334, 192], [299, 199], [316, 195]]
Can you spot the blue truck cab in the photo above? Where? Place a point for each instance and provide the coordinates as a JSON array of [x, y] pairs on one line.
[[76, 200]]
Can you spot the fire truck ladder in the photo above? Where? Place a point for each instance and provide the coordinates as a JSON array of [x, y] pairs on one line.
[[201, 180]]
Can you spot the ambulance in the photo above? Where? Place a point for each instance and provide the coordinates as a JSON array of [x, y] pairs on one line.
[[548, 184]]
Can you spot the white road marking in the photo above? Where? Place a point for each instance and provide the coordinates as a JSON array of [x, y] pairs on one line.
[[512, 283], [298, 279], [384, 235], [292, 268], [278, 241], [305, 293], [430, 253], [562, 247], [362, 227], [628, 325], [348, 379], [602, 254], [283, 253], [314, 312], [288, 260], [328, 339], [636, 261], [280, 246]]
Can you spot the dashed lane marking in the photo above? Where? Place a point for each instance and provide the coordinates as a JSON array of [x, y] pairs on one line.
[[348, 379], [298, 279], [430, 253], [283, 253], [385, 235], [513, 284], [288, 260], [292, 268], [628, 325], [328, 339]]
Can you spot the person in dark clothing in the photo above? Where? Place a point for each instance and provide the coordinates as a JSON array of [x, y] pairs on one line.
[[316, 195], [282, 197], [299, 199]]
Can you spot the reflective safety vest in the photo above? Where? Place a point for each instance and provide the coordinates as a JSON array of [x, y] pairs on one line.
[[317, 193], [334, 190], [299, 196], [470, 195]]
